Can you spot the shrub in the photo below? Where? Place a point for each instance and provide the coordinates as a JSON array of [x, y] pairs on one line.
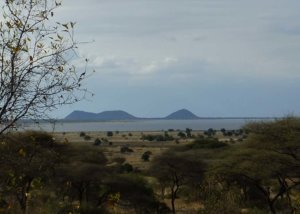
[[146, 156], [210, 132], [181, 134], [109, 134], [125, 149], [87, 137], [97, 142], [126, 168], [207, 143], [82, 134], [165, 137]]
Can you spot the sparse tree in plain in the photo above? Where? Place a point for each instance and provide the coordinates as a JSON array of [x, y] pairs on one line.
[[36, 70], [172, 172]]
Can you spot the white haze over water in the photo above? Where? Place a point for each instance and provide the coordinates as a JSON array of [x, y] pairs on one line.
[[140, 125]]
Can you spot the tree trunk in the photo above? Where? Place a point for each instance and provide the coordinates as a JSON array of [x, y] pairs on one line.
[[174, 191], [173, 197], [162, 188], [271, 206]]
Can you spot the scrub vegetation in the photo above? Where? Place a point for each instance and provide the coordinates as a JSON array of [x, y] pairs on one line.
[[43, 173]]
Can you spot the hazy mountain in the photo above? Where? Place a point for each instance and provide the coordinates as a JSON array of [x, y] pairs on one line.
[[105, 115], [182, 114], [115, 115], [81, 115]]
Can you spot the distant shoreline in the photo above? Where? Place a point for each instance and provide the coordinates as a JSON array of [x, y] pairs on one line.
[[145, 119]]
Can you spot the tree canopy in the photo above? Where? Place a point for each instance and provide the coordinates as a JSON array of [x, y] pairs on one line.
[[36, 70]]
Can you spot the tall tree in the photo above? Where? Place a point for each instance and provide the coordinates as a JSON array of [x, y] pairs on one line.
[[268, 162], [175, 169], [36, 73], [26, 159]]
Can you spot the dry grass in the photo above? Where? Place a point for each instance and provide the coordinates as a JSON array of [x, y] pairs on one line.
[[132, 140]]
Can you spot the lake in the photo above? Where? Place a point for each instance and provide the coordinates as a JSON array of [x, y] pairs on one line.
[[138, 125]]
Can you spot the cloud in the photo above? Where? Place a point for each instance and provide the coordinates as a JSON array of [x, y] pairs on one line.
[[192, 46]]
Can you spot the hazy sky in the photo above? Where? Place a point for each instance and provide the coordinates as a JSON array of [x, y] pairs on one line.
[[213, 57]]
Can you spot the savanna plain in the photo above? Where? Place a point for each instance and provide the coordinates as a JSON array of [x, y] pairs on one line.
[[251, 170]]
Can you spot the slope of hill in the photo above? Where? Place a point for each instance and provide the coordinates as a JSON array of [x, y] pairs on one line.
[[105, 115], [81, 115], [115, 115], [182, 114]]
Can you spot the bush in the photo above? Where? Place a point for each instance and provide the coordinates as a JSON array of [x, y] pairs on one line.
[[207, 143], [126, 168], [125, 149], [87, 137], [158, 138], [146, 156], [109, 134], [82, 134], [97, 142], [181, 134], [210, 132]]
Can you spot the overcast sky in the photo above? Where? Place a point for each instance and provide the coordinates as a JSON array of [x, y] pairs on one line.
[[213, 57]]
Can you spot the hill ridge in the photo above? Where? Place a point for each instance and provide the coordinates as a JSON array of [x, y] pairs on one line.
[[182, 114]]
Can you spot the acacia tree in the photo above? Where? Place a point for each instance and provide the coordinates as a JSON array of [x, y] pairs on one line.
[[36, 73], [26, 160], [268, 162], [175, 170]]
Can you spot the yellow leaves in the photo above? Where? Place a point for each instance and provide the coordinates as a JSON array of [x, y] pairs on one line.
[[22, 153], [114, 197], [9, 25], [60, 68], [16, 49], [40, 45], [66, 141]]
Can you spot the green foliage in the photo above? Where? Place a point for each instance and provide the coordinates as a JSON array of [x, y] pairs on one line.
[[135, 192], [181, 134], [27, 161], [125, 149], [210, 132], [188, 132], [174, 170], [206, 143], [109, 134], [157, 138], [221, 201], [126, 168], [87, 137], [146, 156], [97, 142], [265, 163]]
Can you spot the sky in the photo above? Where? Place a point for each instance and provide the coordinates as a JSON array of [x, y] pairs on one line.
[[212, 57]]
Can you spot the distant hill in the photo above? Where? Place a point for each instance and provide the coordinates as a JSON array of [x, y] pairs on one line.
[[81, 115], [105, 115], [182, 114], [115, 115]]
